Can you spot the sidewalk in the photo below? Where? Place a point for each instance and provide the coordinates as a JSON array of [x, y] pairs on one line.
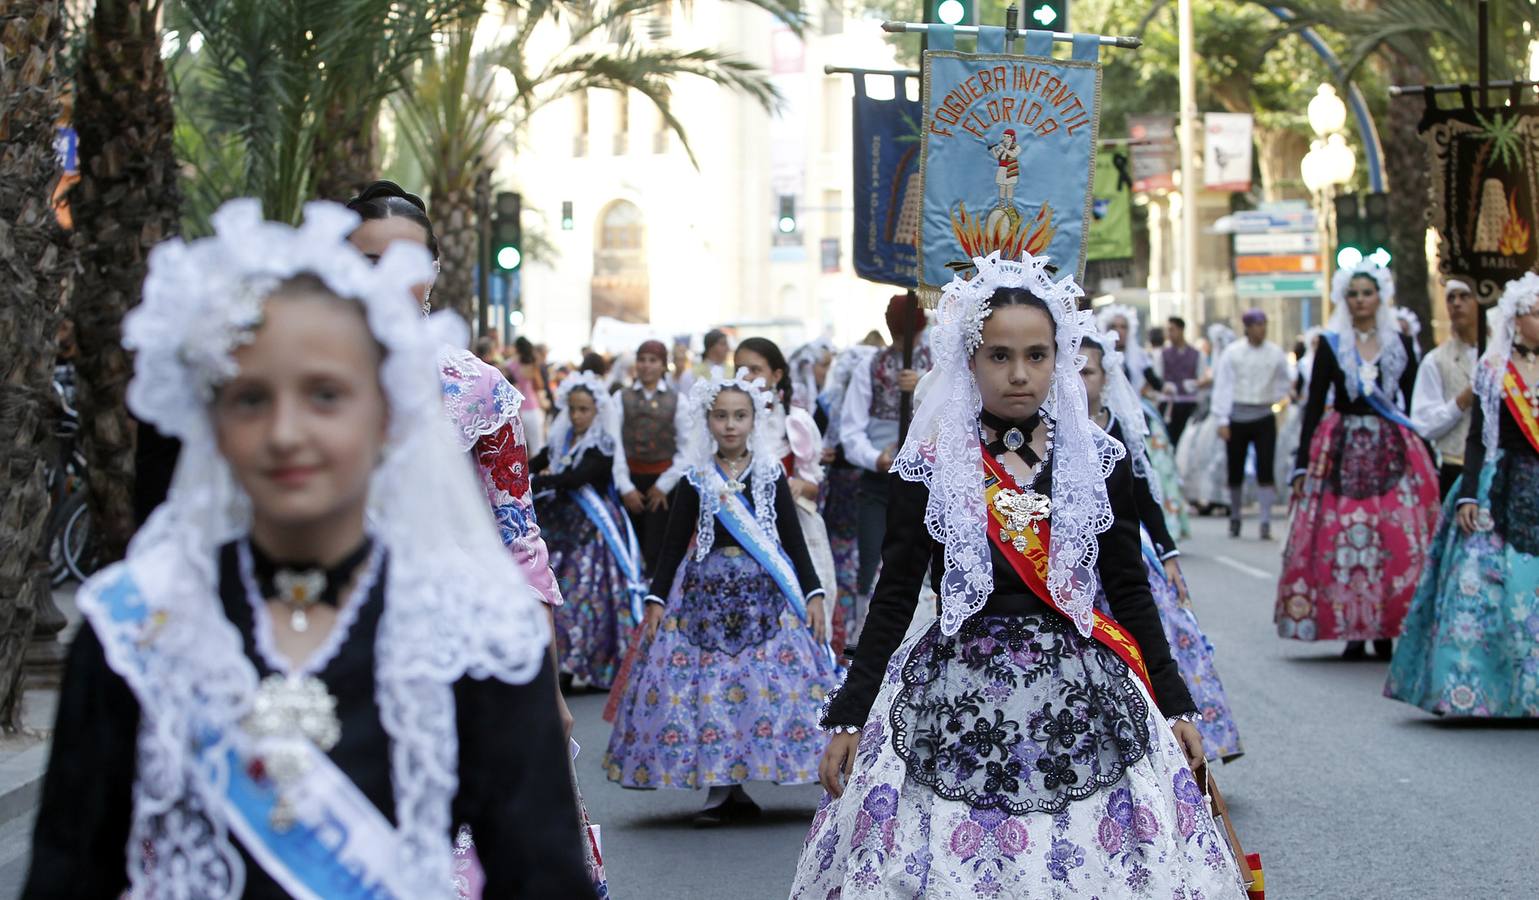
[[23, 757]]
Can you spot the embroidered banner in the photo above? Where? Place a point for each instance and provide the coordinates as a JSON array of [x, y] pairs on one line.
[[1008, 153], [1111, 212], [1518, 399], [887, 187], [1026, 551], [1485, 192]]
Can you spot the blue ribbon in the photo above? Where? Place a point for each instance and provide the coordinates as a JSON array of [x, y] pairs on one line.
[[624, 546], [1374, 397]]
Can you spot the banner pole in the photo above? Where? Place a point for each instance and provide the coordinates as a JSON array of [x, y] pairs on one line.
[[1062, 37]]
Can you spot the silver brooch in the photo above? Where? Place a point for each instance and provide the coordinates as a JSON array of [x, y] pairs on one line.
[[299, 591], [286, 713], [1014, 440], [1023, 511]]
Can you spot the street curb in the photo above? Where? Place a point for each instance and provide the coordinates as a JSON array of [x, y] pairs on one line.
[[21, 781]]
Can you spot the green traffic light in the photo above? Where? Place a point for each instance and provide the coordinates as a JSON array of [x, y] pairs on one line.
[[951, 12], [508, 258]]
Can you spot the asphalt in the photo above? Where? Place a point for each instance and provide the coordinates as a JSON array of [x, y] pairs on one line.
[[1345, 794]]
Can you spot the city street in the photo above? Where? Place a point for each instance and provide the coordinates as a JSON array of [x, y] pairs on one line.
[[1344, 793]]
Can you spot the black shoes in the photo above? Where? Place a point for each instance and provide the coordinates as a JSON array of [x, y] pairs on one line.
[[1234, 528], [1384, 649], [735, 808], [1355, 650], [1266, 531]]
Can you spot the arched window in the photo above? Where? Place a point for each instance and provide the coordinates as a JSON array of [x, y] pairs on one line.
[[621, 288]]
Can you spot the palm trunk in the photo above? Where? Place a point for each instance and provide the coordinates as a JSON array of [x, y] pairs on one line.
[[32, 275], [128, 202], [454, 219], [1410, 186], [344, 154]]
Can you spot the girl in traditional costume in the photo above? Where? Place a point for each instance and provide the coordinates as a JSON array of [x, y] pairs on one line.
[[731, 669], [1123, 321], [1023, 745], [1108, 391], [1200, 455], [1470, 645], [1364, 483], [798, 444], [841, 510], [316, 659], [593, 548]]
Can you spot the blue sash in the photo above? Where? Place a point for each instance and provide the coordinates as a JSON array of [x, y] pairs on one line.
[[1374, 397], [339, 846], [734, 513], [622, 543], [1156, 565]]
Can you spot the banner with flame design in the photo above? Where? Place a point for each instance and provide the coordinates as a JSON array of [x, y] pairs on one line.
[[1485, 198], [1008, 154]]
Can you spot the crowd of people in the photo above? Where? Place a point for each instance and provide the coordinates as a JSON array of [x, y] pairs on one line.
[[334, 661]]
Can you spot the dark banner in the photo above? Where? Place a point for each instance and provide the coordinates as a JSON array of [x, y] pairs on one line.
[[1485, 201], [887, 187]]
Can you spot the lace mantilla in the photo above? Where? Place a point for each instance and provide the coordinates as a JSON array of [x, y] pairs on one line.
[[455, 601], [1122, 402], [1383, 374], [763, 469], [1136, 360], [1520, 296], [1220, 336], [943, 450], [600, 433]]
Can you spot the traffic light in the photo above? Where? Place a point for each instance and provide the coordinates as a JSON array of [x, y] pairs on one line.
[[1362, 229], [787, 221], [567, 222], [508, 232], [951, 12], [1047, 15]]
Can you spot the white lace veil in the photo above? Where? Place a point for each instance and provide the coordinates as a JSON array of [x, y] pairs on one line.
[[1136, 357], [1118, 397], [703, 474], [600, 434], [1520, 296], [1220, 336], [1392, 360], [804, 382], [456, 602], [943, 449]]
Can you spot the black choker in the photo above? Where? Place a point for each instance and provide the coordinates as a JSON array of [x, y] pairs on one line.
[[1014, 437], [302, 585], [1525, 351]]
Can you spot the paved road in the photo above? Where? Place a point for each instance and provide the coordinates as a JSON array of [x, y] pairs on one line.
[[1345, 794]]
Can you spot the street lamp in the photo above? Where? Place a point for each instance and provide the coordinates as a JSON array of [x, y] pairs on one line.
[[1328, 164], [1327, 114]]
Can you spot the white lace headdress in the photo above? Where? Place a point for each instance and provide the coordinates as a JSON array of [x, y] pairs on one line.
[[944, 452], [1220, 336], [1520, 296], [1118, 397], [600, 433], [1133, 353], [1392, 359], [456, 602], [804, 382], [704, 474], [1408, 318]]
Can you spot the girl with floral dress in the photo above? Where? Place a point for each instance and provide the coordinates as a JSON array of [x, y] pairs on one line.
[[731, 670], [1365, 486], [1471, 640], [1024, 744], [593, 548], [1109, 393], [841, 497]]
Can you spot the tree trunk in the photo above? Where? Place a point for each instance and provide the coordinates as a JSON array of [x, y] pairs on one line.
[[32, 272], [454, 220], [1410, 186], [127, 202], [1282, 149], [344, 153]]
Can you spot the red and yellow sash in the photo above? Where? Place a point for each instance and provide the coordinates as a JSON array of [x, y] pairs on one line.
[[1031, 564], [1515, 394]]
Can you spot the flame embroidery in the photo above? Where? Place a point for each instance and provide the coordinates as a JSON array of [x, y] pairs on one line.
[[1011, 235], [1515, 231]]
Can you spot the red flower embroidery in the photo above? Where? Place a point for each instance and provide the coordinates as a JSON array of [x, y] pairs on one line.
[[506, 460]]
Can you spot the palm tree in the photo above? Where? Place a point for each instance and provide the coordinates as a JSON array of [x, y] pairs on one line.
[[126, 203], [33, 262], [465, 98], [278, 98]]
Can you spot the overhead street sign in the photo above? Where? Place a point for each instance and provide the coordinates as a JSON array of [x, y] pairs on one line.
[[1279, 285], [1266, 265], [1280, 242]]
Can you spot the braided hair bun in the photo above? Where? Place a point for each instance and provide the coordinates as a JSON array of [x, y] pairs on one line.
[[386, 200]]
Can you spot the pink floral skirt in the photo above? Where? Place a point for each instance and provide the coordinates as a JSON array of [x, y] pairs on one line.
[[1360, 535]]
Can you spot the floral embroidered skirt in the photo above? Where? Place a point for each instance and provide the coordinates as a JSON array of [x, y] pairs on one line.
[[1360, 536], [1471, 640], [593, 625], [1015, 759], [728, 692], [841, 516], [1162, 455], [1194, 656]]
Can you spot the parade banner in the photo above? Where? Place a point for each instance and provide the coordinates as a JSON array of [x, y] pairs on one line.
[[1111, 213], [1485, 197], [887, 186], [1227, 153], [990, 118]]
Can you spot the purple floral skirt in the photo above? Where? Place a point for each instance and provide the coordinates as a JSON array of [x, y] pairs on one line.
[[728, 692], [840, 514], [593, 624], [1146, 834]]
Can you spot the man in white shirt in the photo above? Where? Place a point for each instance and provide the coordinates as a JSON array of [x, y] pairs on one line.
[[650, 420], [1248, 379], [868, 429], [1443, 397]]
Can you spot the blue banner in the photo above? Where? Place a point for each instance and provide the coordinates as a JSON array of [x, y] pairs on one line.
[[887, 186], [1009, 154]]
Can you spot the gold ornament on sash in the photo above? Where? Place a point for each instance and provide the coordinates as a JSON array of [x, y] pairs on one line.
[[1023, 511]]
